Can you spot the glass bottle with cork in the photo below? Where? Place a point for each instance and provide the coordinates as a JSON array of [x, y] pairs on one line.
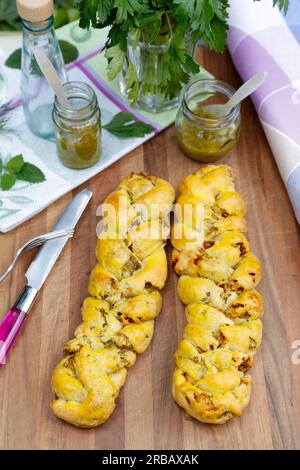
[[37, 96]]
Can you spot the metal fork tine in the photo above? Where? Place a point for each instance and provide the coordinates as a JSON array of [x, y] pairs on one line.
[[51, 236], [33, 243], [40, 241]]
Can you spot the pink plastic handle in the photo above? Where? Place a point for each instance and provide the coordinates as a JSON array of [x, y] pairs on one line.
[[10, 327]]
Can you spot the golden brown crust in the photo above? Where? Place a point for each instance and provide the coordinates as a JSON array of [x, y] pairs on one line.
[[118, 317], [218, 274]]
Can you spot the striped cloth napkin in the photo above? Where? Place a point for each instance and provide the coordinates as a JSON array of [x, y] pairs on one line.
[[262, 38]]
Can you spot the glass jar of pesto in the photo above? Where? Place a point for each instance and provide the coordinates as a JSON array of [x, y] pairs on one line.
[[202, 135], [78, 128]]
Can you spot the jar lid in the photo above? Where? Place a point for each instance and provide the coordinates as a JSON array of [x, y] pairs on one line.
[[35, 10]]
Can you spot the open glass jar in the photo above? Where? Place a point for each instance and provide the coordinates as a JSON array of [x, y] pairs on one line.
[[78, 128], [202, 135]]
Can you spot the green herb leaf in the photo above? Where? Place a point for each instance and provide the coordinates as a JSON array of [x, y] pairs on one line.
[[103, 10], [17, 169], [134, 37], [7, 181], [115, 57], [282, 4], [30, 173], [128, 7], [207, 18], [124, 125], [68, 50], [178, 24], [151, 24], [14, 60], [132, 84], [85, 14], [15, 164]]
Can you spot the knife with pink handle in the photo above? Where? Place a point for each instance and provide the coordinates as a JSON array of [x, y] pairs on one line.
[[37, 273]]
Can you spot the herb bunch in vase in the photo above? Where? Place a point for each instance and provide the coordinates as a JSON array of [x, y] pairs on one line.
[[151, 43]]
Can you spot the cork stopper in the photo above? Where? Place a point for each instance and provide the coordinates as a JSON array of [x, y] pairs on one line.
[[35, 10]]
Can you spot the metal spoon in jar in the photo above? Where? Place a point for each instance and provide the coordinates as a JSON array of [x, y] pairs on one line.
[[243, 92]]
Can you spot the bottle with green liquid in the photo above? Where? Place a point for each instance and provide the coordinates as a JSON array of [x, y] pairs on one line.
[[37, 96]]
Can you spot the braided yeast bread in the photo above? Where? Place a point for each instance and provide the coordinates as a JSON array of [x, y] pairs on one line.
[[216, 283], [118, 317]]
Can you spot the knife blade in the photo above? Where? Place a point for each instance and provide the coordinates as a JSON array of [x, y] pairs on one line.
[[45, 259], [38, 272]]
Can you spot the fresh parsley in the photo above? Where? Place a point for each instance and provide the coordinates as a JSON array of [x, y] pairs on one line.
[[17, 169], [124, 125], [30, 173], [158, 22]]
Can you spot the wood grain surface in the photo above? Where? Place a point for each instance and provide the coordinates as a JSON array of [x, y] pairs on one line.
[[146, 416]]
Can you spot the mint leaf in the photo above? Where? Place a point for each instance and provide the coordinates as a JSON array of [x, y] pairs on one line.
[[124, 125], [17, 169], [68, 50], [14, 60], [7, 181], [30, 173], [15, 164]]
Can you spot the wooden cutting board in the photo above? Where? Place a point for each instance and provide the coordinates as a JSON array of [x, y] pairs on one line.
[[146, 416]]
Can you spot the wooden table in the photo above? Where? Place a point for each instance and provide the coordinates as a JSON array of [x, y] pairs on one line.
[[146, 416]]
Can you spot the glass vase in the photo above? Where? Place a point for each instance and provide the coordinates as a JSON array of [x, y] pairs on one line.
[[150, 62]]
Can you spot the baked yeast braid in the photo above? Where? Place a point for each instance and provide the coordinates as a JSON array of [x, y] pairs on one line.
[[118, 317], [216, 283]]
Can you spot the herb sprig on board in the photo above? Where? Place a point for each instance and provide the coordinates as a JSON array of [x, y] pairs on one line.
[[17, 169], [158, 22], [124, 125]]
